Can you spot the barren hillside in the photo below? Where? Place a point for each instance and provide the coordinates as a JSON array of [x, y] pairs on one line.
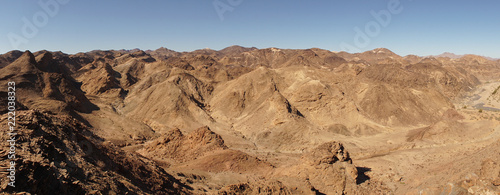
[[253, 121]]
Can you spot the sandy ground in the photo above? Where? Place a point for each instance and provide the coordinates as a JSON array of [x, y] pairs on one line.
[[438, 161], [482, 97]]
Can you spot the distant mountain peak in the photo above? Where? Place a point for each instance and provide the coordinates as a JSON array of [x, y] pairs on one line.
[[234, 46], [455, 56], [381, 50], [447, 55], [476, 58], [430, 60]]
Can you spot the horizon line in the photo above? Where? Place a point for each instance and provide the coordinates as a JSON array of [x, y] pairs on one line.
[[207, 48]]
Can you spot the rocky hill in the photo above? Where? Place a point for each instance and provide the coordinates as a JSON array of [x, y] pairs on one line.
[[59, 154]]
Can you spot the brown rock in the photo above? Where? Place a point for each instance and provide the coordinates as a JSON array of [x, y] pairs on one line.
[[255, 188], [61, 156], [328, 153], [181, 148]]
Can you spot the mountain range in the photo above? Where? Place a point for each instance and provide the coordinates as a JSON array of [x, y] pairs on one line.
[[252, 121]]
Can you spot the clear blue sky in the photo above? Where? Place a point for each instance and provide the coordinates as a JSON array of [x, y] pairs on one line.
[[423, 27]]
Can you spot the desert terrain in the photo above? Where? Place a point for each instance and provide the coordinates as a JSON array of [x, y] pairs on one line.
[[251, 121]]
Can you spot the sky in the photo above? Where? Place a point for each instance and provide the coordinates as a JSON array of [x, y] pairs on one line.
[[420, 27]]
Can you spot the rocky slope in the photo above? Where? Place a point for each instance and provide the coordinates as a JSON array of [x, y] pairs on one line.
[[58, 154]]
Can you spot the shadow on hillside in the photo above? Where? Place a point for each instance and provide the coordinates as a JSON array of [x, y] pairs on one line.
[[362, 177]]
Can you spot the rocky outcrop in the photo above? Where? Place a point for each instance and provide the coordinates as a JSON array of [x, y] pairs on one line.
[[328, 169], [181, 148], [328, 153], [255, 188], [202, 149], [59, 155]]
